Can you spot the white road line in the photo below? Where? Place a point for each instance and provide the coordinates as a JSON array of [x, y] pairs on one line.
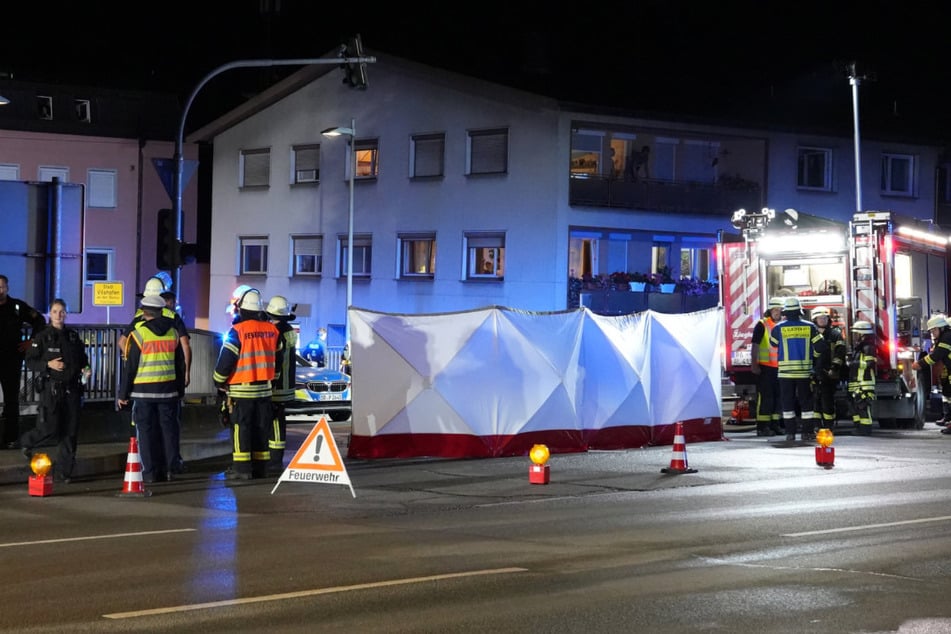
[[91, 537], [848, 529], [310, 593]]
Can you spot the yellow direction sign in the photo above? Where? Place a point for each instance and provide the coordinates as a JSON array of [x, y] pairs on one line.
[[107, 294], [317, 461]]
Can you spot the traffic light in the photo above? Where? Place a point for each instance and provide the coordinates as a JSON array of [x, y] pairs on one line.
[[167, 247], [354, 75]]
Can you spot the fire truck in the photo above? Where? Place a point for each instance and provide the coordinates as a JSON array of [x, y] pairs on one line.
[[889, 271]]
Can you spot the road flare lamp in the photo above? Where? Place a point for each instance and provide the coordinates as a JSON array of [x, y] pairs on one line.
[[539, 473], [41, 482], [825, 452]]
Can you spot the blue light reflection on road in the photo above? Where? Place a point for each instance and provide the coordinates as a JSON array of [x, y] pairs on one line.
[[214, 557]]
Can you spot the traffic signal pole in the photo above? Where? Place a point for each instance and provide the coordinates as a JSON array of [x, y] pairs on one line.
[[344, 58]]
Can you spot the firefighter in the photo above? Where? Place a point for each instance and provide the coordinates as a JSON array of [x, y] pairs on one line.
[[799, 343], [940, 352], [245, 368], [861, 384], [830, 366], [285, 379], [765, 363]]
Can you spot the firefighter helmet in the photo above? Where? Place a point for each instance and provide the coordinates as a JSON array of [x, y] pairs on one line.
[[278, 307], [154, 287], [937, 321], [862, 327], [821, 311], [775, 302], [251, 300], [791, 305]]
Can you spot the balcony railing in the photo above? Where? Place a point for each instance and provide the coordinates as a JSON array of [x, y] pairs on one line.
[[666, 196]]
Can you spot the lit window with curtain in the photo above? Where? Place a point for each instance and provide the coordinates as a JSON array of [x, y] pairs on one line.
[[417, 255]]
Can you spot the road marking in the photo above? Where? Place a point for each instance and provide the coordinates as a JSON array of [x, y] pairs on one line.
[[310, 593], [847, 529], [91, 537]]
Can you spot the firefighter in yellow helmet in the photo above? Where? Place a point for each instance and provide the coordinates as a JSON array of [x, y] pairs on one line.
[[279, 312], [861, 384], [765, 365]]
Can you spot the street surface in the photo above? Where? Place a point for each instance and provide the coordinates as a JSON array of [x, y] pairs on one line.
[[759, 539]]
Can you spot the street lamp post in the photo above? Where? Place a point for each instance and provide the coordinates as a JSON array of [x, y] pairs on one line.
[[351, 133]]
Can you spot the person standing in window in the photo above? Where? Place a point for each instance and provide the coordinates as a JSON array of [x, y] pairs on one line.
[[58, 359], [13, 314]]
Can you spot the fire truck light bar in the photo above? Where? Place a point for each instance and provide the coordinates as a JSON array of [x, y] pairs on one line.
[[923, 236]]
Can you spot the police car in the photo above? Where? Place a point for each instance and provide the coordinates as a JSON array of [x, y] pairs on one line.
[[320, 390]]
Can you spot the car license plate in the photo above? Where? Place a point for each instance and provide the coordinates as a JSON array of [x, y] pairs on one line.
[[331, 397]]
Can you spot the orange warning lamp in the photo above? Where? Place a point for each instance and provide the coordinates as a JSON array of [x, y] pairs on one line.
[[41, 484], [539, 454], [824, 437], [41, 464], [539, 473]]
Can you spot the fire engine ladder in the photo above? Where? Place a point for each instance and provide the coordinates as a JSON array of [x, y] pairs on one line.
[[867, 272]]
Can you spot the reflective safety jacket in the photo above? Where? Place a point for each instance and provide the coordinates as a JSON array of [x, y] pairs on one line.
[[246, 363], [151, 363], [285, 377], [941, 351], [766, 352], [862, 367], [798, 343]]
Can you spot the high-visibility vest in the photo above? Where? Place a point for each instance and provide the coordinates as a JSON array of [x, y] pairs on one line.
[[795, 340], [768, 354], [258, 348], [155, 376]]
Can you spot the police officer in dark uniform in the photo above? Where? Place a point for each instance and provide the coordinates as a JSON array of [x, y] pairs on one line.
[[58, 359], [13, 314]]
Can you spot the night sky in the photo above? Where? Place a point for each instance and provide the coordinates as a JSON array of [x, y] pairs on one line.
[[744, 60]]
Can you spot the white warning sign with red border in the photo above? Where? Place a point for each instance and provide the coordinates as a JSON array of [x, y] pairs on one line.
[[317, 461]]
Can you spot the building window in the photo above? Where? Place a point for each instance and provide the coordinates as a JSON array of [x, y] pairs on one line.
[[368, 158], [362, 254], [814, 169], [253, 255], [426, 152], [487, 151], [9, 172], [308, 255], [99, 265], [82, 110], [485, 256], [255, 168], [417, 255], [944, 183], [44, 107], [698, 262], [305, 164], [102, 188], [898, 174], [586, 153], [48, 173]]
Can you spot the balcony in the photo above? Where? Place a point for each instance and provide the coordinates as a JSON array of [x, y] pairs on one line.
[[720, 199]]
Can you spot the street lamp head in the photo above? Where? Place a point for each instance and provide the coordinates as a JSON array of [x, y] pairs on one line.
[[332, 132], [3, 100]]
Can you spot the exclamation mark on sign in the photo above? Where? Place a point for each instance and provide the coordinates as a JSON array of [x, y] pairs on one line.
[[317, 445]]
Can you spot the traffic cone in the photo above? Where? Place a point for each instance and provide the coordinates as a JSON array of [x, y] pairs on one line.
[[678, 460], [133, 485]]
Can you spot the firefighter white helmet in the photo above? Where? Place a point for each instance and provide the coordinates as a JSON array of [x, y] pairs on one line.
[[791, 305], [775, 302], [821, 311], [251, 300], [862, 327], [937, 321], [278, 307], [153, 287]]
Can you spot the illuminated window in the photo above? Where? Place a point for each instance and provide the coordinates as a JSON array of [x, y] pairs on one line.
[[368, 158], [417, 255], [485, 256]]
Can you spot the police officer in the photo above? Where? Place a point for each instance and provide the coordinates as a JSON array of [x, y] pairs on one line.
[[765, 365], [285, 379], [245, 369], [58, 359], [861, 384], [151, 378], [940, 352], [13, 314], [798, 343], [830, 366]]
